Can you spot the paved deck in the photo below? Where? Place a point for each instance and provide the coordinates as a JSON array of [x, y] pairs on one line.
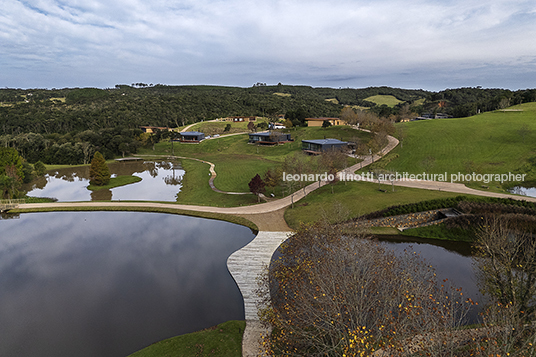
[[245, 266]]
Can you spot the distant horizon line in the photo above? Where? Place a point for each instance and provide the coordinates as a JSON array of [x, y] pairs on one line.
[[258, 84]]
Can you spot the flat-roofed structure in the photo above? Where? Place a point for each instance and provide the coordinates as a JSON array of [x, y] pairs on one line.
[[319, 146], [191, 136], [269, 138]]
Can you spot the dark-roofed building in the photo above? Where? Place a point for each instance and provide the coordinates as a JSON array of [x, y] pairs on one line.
[[269, 138], [191, 136], [319, 146]]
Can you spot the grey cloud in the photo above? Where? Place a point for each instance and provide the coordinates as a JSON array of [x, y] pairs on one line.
[[198, 41]]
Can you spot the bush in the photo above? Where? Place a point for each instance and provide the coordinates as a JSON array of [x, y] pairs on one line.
[[332, 294]]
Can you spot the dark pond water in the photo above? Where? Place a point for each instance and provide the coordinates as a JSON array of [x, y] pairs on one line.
[[161, 181], [110, 283], [451, 260]]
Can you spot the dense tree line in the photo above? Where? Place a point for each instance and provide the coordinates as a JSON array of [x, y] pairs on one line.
[[75, 110], [68, 125], [463, 102], [75, 148]]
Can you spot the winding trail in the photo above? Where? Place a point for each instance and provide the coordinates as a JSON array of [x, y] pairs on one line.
[[246, 264]]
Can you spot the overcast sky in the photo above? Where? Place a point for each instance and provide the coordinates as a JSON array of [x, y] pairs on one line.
[[429, 44]]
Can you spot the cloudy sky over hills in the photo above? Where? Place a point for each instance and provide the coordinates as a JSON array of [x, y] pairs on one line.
[[427, 44]]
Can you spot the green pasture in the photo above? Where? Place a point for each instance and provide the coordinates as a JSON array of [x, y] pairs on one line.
[[196, 189], [353, 199], [388, 100], [218, 127], [489, 143]]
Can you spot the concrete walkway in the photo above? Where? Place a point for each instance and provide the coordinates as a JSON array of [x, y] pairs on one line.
[[246, 265]]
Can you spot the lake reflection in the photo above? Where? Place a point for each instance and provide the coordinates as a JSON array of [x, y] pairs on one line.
[[110, 283], [161, 181], [525, 191], [451, 260]]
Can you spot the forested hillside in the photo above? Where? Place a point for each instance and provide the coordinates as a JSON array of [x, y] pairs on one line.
[[68, 125]]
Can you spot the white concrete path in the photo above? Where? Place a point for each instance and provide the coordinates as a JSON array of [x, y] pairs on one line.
[[246, 265]]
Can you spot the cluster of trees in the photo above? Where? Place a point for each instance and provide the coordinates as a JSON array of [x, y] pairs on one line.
[[77, 148], [463, 102], [14, 171], [333, 292]]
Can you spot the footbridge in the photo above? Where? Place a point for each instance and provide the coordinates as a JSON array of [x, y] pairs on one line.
[[6, 205]]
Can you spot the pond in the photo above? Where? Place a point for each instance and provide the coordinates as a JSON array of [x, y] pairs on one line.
[[110, 283], [525, 191], [451, 260], [161, 181]]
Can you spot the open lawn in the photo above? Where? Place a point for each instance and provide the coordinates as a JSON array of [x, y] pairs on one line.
[[388, 100], [218, 127], [488, 143], [353, 199], [237, 162], [196, 190]]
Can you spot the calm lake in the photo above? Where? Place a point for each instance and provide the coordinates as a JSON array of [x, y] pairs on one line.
[[110, 283], [161, 181]]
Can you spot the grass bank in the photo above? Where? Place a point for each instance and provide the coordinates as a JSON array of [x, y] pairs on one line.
[[354, 199], [489, 143], [196, 190], [441, 232], [223, 340], [219, 216], [116, 182]]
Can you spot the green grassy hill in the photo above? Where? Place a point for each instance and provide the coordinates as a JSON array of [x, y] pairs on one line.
[[388, 100], [493, 142]]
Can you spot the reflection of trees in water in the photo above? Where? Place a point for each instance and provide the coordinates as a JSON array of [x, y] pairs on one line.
[[39, 183], [101, 195], [127, 168], [166, 165], [173, 179], [518, 190], [151, 168], [5, 215]]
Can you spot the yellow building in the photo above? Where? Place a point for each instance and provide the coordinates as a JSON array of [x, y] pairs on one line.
[[320, 121]]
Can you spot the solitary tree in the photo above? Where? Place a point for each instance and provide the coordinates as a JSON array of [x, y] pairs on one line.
[[257, 186], [99, 173]]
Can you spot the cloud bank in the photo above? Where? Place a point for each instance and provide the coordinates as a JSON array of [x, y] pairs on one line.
[[417, 44]]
